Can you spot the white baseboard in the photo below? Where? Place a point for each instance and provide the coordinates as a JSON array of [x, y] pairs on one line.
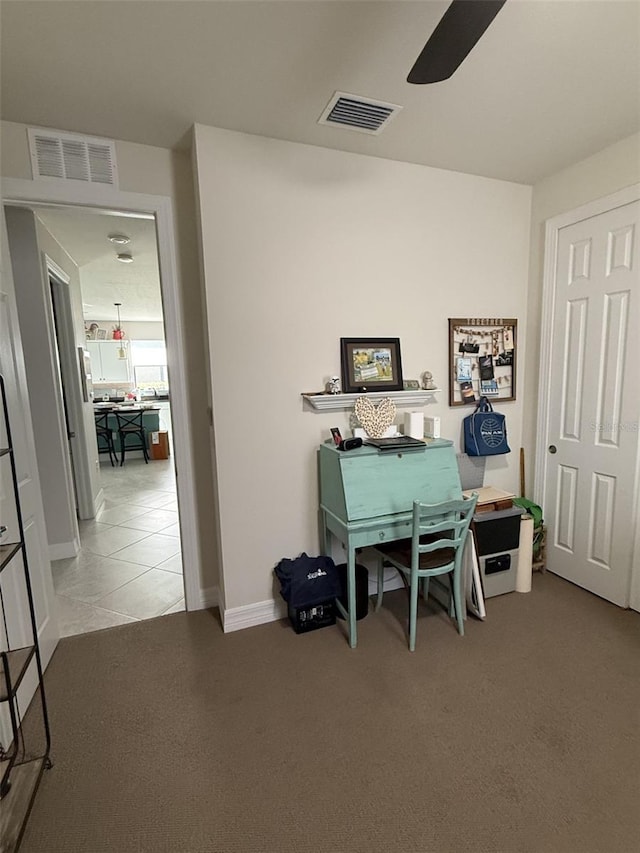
[[237, 618], [209, 597], [64, 550], [97, 503]]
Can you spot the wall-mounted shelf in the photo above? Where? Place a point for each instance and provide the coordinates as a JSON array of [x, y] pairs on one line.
[[338, 402]]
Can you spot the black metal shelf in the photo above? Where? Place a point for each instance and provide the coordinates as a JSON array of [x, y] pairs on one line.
[[19, 775], [5, 768], [13, 664], [8, 552], [25, 778]]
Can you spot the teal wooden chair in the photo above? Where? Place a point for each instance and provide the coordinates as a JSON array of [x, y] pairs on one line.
[[438, 538]]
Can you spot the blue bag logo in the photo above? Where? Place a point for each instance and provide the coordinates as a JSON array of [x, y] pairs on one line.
[[492, 432]]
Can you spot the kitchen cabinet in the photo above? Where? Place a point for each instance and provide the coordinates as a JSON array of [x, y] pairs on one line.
[[106, 366]]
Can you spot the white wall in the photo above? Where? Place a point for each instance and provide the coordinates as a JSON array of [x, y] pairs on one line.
[[43, 378], [147, 169], [612, 169], [303, 245]]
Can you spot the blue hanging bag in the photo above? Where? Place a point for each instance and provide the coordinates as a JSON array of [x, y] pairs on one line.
[[485, 431]]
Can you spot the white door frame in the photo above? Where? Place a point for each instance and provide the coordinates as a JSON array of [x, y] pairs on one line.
[[552, 229], [72, 388], [53, 271], [110, 199]]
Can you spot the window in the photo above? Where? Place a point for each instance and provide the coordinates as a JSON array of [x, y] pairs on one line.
[[149, 362], [145, 353]]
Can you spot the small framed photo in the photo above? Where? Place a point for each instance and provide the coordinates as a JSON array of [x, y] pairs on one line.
[[370, 364], [463, 372], [101, 334]]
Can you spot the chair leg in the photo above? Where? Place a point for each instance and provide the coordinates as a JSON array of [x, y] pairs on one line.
[[413, 613], [109, 442], [112, 452], [380, 582], [122, 444], [144, 448], [457, 599], [425, 588]]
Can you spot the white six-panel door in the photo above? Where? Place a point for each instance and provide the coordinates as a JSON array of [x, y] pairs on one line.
[[590, 490]]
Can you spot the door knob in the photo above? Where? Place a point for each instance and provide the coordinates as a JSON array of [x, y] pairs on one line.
[[553, 448]]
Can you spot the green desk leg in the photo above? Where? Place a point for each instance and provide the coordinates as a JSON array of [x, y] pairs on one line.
[[350, 617], [324, 534]]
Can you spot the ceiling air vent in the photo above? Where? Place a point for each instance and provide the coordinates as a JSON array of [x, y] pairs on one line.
[[64, 156], [356, 113]]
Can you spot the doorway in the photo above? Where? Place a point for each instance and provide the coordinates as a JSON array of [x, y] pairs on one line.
[[129, 565], [160, 209]]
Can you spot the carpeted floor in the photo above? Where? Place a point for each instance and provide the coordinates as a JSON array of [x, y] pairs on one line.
[[171, 737]]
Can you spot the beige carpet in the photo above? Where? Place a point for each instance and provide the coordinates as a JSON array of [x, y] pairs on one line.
[[170, 737]]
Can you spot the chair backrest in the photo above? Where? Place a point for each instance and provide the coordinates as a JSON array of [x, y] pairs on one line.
[[129, 420], [102, 421], [445, 524]]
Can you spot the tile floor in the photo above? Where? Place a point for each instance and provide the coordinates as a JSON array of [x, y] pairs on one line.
[[130, 565]]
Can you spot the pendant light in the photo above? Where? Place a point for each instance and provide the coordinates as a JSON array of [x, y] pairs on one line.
[[122, 350]]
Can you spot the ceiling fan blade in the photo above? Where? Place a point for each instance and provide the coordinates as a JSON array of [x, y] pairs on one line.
[[453, 39]]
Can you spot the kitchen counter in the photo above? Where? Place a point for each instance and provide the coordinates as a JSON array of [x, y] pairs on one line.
[[150, 419], [125, 407]]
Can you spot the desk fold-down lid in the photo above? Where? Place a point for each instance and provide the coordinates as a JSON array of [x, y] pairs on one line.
[[364, 484]]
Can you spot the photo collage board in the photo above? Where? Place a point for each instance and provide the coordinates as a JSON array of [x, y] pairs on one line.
[[482, 359]]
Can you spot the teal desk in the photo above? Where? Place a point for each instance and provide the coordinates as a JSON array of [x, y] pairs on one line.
[[366, 497]]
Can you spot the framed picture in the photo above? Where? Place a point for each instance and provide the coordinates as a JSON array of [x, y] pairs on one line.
[[482, 359], [370, 364], [101, 334]]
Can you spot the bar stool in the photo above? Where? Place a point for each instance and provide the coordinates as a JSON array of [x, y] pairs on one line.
[[103, 432], [130, 424]]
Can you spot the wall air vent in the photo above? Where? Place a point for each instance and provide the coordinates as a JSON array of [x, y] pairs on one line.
[[67, 157], [356, 113]]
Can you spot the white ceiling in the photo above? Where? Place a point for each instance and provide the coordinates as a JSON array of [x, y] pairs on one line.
[[550, 82], [103, 279]]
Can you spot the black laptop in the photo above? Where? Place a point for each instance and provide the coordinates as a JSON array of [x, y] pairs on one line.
[[396, 442]]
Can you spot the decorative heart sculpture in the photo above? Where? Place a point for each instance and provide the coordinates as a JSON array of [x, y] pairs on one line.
[[375, 419]]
